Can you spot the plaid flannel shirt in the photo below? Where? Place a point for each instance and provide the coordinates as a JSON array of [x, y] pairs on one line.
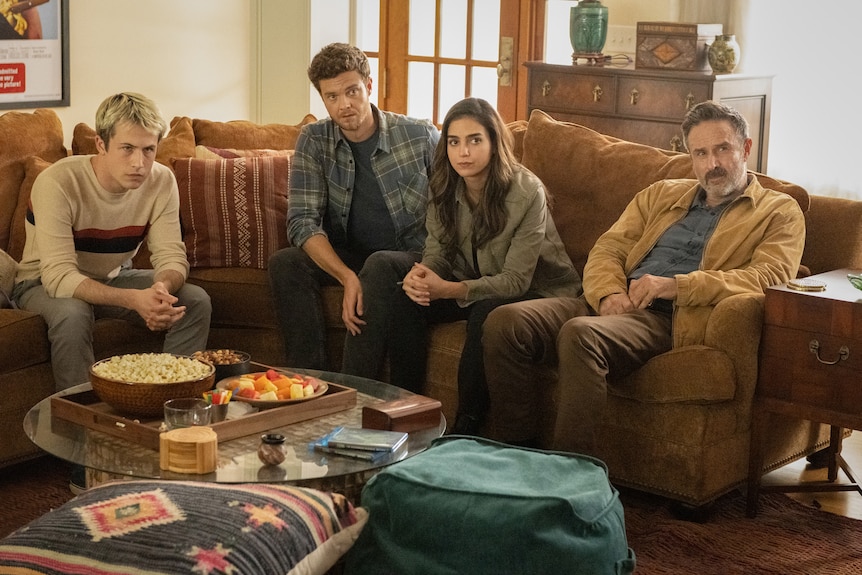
[[323, 173]]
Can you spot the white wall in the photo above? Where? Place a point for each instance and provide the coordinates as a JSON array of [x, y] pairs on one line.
[[192, 57]]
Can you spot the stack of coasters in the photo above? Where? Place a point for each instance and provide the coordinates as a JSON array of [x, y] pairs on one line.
[[189, 450]]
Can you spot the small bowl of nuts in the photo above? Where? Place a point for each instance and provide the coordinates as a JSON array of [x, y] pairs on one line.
[[227, 362]]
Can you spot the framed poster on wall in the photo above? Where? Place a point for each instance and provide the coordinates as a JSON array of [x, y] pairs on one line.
[[34, 53]]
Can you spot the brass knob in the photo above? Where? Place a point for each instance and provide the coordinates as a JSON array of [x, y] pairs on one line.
[[689, 102], [634, 96], [676, 144], [597, 93], [546, 88]]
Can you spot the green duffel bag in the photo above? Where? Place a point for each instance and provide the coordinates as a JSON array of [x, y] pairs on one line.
[[471, 506]]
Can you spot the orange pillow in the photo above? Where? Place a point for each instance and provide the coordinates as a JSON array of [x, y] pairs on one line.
[[245, 135]]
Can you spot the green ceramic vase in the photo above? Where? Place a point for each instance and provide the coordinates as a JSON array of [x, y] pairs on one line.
[[588, 27]]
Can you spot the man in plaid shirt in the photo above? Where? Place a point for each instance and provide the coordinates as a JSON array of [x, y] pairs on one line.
[[358, 186]]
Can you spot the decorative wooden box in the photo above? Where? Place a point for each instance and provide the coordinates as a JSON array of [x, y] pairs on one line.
[[674, 45]]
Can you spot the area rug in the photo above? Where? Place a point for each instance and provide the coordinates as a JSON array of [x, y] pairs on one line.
[[786, 537], [31, 489]]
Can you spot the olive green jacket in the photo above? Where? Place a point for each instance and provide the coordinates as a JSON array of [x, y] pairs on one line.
[[527, 256]]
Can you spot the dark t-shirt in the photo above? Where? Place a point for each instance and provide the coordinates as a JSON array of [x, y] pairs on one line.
[[369, 227]]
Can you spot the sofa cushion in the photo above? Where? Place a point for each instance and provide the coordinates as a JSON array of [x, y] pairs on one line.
[[25, 341], [33, 166], [178, 143], [245, 135], [233, 211], [165, 527], [27, 134], [591, 171], [652, 383], [22, 135], [241, 297]]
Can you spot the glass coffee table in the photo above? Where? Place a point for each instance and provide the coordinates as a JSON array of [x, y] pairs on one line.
[[107, 457]]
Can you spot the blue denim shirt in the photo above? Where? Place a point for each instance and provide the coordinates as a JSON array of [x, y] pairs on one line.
[[323, 174]]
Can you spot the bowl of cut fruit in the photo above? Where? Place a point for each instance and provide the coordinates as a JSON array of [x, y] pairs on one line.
[[272, 388]]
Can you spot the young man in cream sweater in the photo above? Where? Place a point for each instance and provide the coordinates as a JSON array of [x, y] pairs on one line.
[[87, 218]]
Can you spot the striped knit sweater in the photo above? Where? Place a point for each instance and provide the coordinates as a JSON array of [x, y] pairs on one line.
[[76, 229]]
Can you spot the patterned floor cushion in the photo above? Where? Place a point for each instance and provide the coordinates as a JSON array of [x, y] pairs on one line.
[[167, 527]]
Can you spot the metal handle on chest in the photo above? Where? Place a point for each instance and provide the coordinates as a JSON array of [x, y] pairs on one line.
[[814, 347]]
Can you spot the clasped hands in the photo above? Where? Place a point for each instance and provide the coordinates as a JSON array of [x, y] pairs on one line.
[[642, 292], [422, 285], [156, 306]]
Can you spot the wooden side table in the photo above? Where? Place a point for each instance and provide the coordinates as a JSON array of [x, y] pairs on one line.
[[811, 368]]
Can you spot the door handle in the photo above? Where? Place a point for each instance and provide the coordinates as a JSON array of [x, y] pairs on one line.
[[504, 66]]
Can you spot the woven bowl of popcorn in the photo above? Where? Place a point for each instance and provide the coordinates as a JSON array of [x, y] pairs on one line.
[[140, 383]]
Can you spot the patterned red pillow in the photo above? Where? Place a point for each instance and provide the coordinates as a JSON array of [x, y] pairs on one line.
[[233, 210]]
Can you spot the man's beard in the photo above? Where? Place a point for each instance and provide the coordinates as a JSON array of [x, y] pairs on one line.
[[733, 182]]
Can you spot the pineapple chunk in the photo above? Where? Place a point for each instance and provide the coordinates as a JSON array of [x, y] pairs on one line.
[[296, 391], [268, 396], [307, 390]]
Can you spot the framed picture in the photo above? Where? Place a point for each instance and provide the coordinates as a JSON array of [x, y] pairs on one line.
[[34, 53]]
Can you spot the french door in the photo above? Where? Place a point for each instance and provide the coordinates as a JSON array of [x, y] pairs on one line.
[[431, 53]]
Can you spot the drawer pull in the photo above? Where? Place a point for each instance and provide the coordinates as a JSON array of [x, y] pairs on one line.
[[546, 88], [597, 93], [634, 96], [814, 347], [689, 102]]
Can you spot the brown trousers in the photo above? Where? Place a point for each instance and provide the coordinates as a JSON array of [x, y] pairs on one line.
[[526, 339]]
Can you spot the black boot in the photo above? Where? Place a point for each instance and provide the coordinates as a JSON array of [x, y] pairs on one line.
[[466, 425]]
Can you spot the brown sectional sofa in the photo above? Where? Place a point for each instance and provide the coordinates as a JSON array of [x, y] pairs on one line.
[[679, 427]]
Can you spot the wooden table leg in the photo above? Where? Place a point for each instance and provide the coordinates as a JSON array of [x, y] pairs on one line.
[[835, 439], [759, 419]]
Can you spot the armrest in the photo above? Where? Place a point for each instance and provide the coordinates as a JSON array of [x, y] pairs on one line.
[[734, 327]]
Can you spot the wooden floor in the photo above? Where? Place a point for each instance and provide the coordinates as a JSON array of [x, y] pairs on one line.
[[847, 503]]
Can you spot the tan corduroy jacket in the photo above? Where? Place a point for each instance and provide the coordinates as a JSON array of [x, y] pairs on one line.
[[757, 242]]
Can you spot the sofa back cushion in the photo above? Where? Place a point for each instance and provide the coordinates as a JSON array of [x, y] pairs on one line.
[[245, 135], [22, 135], [178, 143], [592, 177], [33, 166]]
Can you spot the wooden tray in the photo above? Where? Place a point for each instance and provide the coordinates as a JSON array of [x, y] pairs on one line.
[[87, 410]]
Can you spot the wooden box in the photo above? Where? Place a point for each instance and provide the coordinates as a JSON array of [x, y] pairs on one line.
[[410, 414], [674, 45]]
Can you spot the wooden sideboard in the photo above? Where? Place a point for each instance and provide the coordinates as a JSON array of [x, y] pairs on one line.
[[646, 105]]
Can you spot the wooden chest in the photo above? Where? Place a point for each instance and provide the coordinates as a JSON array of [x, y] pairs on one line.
[[811, 351], [647, 106], [674, 45]]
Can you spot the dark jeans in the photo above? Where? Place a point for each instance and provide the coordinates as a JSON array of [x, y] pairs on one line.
[[399, 327], [296, 282]]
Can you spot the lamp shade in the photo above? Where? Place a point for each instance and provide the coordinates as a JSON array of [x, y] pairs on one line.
[[588, 27]]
